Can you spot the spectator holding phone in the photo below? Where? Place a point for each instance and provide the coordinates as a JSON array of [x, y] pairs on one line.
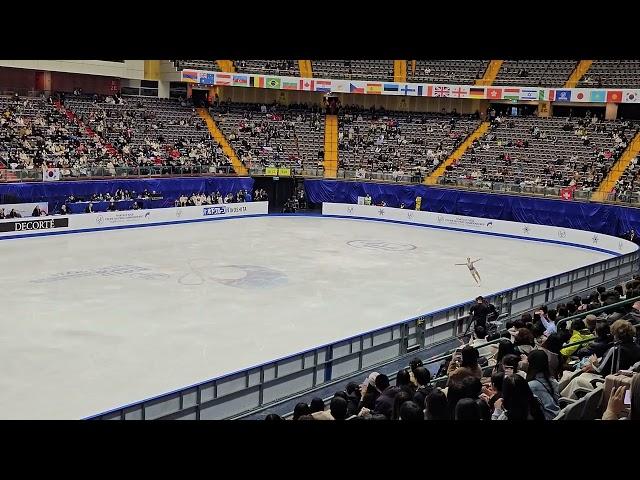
[[622, 400], [464, 364]]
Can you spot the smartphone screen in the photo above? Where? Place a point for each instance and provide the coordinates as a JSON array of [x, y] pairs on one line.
[[627, 397]]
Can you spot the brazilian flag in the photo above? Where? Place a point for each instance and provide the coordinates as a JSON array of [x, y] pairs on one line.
[[273, 82]]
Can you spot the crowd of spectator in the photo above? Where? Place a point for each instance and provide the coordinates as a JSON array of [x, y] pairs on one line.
[[539, 365]]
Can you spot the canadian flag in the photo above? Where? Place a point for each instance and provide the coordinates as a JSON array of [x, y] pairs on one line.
[[306, 84]]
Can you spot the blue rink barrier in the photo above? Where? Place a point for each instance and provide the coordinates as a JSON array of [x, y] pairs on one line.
[[56, 193], [594, 217]]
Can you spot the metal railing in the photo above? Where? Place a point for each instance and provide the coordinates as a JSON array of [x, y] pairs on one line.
[[101, 172]]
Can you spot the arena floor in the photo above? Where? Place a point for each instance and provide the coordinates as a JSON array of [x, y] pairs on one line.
[[97, 320]]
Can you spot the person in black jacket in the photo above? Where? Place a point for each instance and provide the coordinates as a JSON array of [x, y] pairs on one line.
[[622, 355], [353, 398], [423, 377], [384, 403], [602, 343], [479, 312]]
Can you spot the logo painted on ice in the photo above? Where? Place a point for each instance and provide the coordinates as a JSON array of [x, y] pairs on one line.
[[594, 239], [381, 212], [440, 219], [381, 245], [349, 209], [99, 219], [246, 277], [409, 214], [525, 229], [562, 233], [489, 224], [178, 213]]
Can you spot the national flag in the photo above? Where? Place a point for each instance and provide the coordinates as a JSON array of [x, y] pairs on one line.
[[441, 91], [323, 86], [306, 84], [289, 85], [51, 174], [206, 78], [339, 86], [190, 76], [614, 96], [566, 193], [528, 94], [223, 79], [631, 96], [597, 96], [374, 88], [460, 92], [273, 82], [551, 95], [511, 94], [420, 90], [406, 89], [391, 87], [257, 81], [563, 95], [429, 92], [476, 92], [580, 96], [355, 89], [494, 93], [241, 80]]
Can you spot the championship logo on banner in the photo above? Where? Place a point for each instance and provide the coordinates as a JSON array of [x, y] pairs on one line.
[[418, 203]]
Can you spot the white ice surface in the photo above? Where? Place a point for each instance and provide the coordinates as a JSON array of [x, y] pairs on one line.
[[97, 320]]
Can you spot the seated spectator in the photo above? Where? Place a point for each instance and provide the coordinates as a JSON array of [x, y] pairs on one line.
[[403, 379], [369, 392], [464, 364], [272, 417], [300, 410], [413, 364], [410, 411], [400, 398], [600, 345], [552, 347], [37, 211], [517, 402], [493, 392], [505, 348], [467, 409], [316, 405], [480, 338], [621, 356], [423, 377], [579, 332], [337, 409], [542, 384], [384, 403], [524, 341], [353, 398], [435, 407]]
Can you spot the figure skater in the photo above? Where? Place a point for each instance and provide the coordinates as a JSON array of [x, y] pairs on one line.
[[472, 269]]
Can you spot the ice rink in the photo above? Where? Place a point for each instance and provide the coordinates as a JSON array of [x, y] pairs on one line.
[[96, 320]]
